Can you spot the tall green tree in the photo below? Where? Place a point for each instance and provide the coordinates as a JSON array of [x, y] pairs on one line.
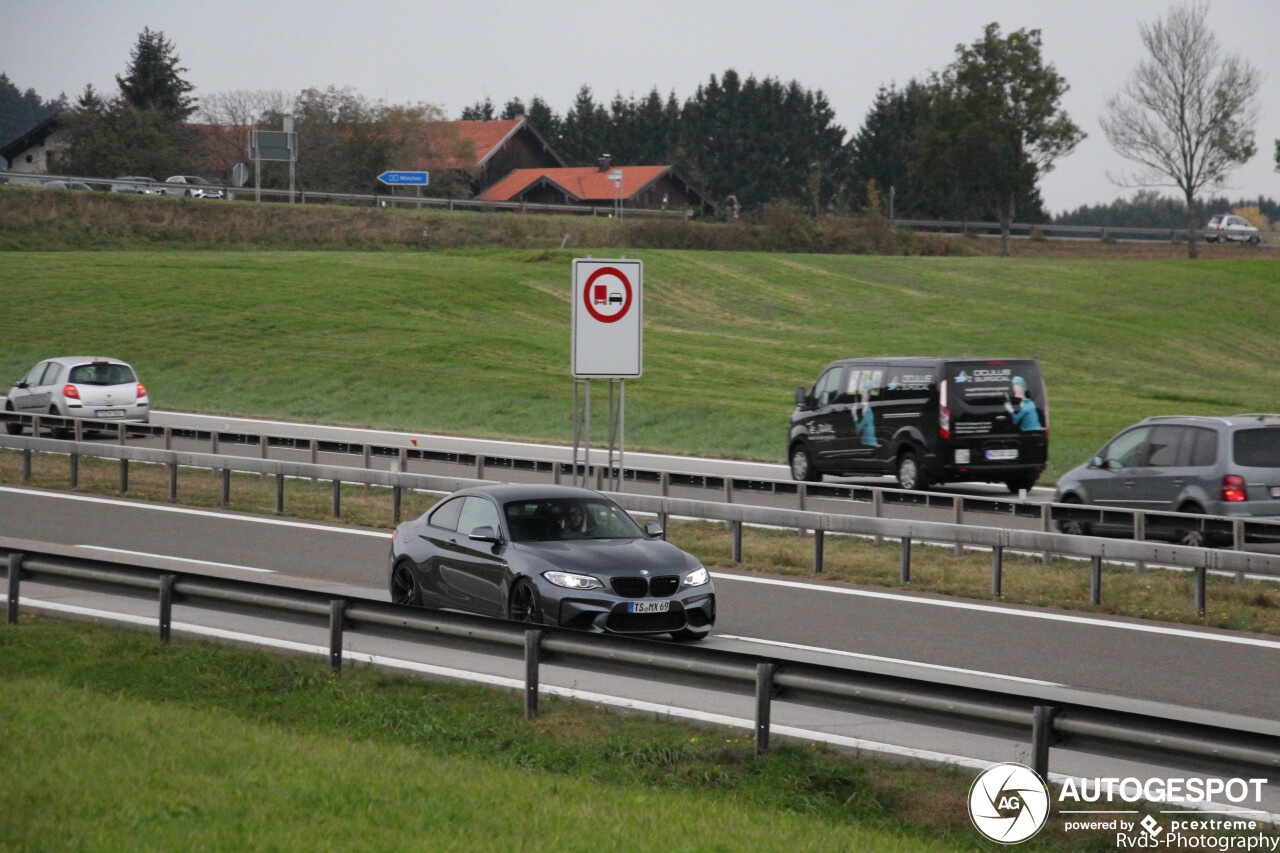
[[997, 124], [762, 141], [153, 79], [1187, 115], [585, 131]]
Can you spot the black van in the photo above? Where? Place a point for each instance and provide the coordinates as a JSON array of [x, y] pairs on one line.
[[925, 420]]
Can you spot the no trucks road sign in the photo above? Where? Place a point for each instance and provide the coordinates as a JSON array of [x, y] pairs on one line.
[[608, 318]]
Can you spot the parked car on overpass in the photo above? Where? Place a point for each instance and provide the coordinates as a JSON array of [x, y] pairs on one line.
[[137, 184], [191, 186], [1227, 227], [553, 555], [66, 185]]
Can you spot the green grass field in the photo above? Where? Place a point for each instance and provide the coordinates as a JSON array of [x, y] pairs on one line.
[[115, 742], [477, 342]]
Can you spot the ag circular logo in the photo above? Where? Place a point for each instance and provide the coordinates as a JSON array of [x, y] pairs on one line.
[[607, 295], [1008, 803]]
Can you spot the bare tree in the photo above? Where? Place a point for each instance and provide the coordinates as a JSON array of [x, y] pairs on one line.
[[1187, 115], [227, 118]]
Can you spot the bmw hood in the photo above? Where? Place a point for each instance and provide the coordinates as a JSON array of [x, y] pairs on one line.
[[606, 558]]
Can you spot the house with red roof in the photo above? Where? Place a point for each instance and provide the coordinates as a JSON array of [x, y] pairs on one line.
[[651, 187], [485, 151]]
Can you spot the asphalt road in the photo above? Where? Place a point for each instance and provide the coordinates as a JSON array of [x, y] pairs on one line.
[[900, 632]]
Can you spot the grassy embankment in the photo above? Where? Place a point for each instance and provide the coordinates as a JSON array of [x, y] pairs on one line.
[[476, 342], [115, 742]]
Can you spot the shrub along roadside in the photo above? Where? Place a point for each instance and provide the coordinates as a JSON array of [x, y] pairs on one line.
[[39, 220]]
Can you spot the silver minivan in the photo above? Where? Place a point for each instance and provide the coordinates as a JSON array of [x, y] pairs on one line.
[[1225, 466], [88, 387]]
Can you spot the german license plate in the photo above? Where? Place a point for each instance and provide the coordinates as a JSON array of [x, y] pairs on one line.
[[110, 413], [649, 607], [1002, 455]]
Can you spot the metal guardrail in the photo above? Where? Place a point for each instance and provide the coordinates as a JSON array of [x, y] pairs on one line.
[[361, 199], [836, 498], [737, 515], [1051, 717], [1049, 230]]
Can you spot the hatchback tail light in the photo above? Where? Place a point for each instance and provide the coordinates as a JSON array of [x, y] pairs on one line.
[[142, 390], [944, 412], [1233, 488], [71, 392]]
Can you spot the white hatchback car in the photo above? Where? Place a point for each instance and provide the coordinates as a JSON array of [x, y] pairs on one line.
[[88, 387], [1227, 227]]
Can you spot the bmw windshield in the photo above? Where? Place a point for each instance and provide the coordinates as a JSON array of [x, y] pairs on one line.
[[562, 519]]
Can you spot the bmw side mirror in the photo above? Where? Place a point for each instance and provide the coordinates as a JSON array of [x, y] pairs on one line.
[[802, 398], [652, 529], [485, 534]]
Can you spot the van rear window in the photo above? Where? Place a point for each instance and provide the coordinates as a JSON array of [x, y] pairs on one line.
[[1257, 448]]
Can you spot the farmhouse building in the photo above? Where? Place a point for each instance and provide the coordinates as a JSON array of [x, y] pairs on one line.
[[650, 187]]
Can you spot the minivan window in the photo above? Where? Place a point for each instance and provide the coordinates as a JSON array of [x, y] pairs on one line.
[[1257, 448], [1163, 446], [827, 387], [1126, 451], [1199, 447], [101, 374], [865, 382]]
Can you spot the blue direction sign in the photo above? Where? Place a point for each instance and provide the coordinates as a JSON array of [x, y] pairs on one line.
[[408, 178]]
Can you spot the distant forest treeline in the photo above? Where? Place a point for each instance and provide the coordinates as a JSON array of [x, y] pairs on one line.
[[1149, 209]]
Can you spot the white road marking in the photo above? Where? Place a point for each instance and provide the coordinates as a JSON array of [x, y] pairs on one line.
[[914, 663], [281, 522], [171, 557], [809, 587], [851, 743], [991, 608]]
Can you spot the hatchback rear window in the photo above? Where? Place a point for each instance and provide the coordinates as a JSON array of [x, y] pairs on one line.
[[101, 374], [1257, 448]]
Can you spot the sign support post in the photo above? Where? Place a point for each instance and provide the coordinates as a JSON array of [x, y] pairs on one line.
[[608, 327]]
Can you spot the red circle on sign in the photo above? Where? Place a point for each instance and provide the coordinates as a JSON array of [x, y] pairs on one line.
[[586, 295]]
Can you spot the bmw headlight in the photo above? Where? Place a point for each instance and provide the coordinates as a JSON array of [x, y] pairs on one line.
[[572, 581], [697, 577]]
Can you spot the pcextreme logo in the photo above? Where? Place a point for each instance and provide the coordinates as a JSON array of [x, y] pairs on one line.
[[1008, 803]]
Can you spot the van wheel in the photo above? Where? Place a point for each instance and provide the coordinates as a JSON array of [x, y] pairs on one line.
[[1192, 537], [910, 474], [1018, 484], [802, 468], [1255, 239]]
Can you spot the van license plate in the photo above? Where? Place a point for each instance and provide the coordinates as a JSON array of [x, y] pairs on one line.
[[110, 413], [649, 607], [1002, 455]]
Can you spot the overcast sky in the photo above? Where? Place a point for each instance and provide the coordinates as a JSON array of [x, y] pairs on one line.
[[454, 52]]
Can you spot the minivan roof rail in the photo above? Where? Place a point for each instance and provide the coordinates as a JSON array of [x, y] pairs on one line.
[[1187, 418]]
